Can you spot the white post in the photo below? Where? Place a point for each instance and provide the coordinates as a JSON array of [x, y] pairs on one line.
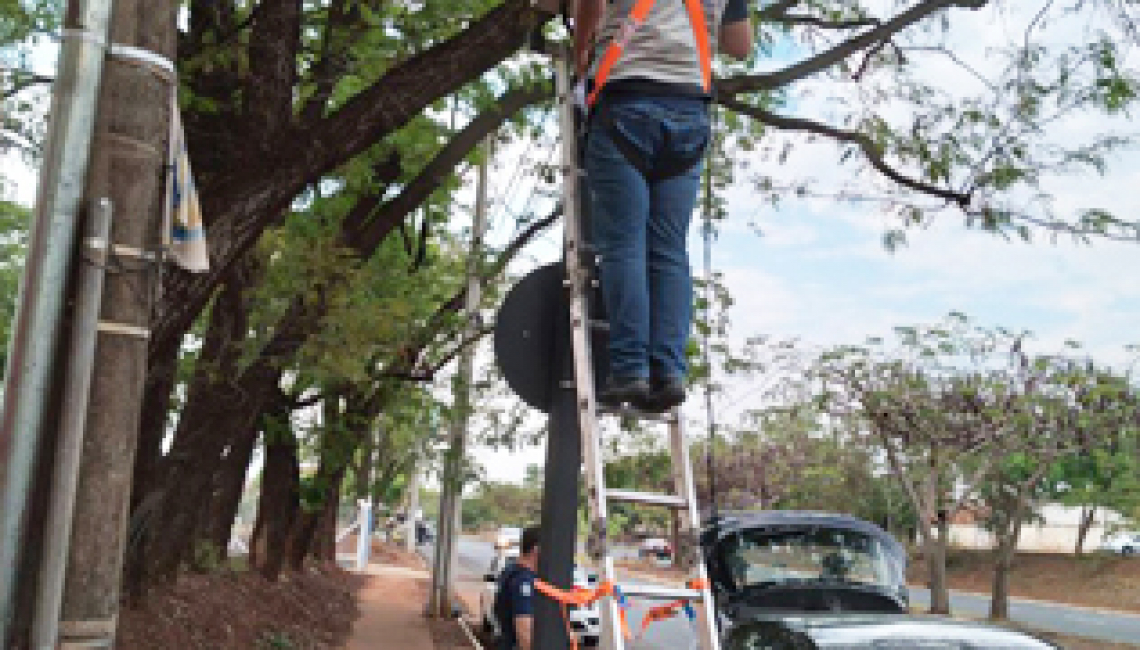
[[413, 508], [364, 541]]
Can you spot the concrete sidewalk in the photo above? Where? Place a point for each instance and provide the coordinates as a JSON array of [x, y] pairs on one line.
[[392, 611]]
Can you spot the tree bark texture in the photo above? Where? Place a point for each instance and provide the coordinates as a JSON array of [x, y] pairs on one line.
[[278, 507], [162, 374], [1088, 516], [324, 546], [229, 485], [219, 414], [127, 166], [934, 552], [304, 538]]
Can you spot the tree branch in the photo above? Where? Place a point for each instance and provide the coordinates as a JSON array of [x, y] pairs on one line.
[[273, 48], [406, 360], [822, 23], [774, 11], [240, 206], [326, 71], [21, 81], [870, 149], [828, 58], [442, 166]]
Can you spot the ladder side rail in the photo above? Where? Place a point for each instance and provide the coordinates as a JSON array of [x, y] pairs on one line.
[[690, 524], [577, 285]]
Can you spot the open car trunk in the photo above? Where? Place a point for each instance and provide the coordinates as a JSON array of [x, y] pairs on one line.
[[763, 563]]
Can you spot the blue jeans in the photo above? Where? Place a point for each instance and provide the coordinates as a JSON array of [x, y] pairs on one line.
[[640, 227]]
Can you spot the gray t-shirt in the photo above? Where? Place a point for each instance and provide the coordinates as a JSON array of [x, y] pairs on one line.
[[664, 49]]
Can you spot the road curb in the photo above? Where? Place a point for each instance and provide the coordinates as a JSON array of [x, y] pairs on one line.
[[1045, 603]]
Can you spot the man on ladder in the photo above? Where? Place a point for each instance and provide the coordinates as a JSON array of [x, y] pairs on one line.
[[645, 69]]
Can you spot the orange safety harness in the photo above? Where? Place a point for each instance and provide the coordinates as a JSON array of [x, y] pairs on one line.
[[583, 597], [633, 22]]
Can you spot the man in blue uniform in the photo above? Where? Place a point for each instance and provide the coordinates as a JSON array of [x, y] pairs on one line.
[[514, 598], [647, 67]]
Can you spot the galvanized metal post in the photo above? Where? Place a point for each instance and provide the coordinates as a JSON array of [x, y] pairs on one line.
[[410, 536], [73, 421], [32, 349], [364, 541]]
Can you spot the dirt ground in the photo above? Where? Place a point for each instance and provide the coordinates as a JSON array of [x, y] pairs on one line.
[[1095, 580], [241, 611], [447, 635]]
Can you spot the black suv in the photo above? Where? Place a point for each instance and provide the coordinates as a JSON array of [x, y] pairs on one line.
[[787, 580]]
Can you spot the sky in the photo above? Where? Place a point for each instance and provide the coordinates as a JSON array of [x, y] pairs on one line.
[[816, 270]]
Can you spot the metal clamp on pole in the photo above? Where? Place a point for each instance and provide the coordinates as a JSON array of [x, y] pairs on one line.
[[123, 329], [156, 62], [87, 634]]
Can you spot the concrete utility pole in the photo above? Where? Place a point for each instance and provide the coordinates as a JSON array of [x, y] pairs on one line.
[[32, 366], [450, 506], [129, 158]]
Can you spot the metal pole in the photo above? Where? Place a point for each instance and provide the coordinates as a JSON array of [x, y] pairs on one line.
[[413, 507], [451, 505], [73, 420], [32, 349], [364, 540]]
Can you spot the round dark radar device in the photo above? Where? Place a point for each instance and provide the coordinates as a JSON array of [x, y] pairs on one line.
[[532, 331]]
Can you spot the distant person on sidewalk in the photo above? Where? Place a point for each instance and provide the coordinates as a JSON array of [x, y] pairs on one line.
[[514, 599]]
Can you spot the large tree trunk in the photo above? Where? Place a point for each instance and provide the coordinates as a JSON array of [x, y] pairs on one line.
[[229, 485], [162, 373], [218, 415], [1088, 515], [324, 545], [278, 506], [1008, 535], [934, 552], [219, 405], [1003, 563], [303, 540]]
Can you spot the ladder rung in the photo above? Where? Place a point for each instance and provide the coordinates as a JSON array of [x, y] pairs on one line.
[[658, 592], [627, 411], [649, 498]]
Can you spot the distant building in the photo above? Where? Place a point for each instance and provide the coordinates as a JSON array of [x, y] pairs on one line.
[[1055, 533]]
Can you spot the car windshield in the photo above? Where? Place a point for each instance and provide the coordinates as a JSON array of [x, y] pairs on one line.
[[766, 557]]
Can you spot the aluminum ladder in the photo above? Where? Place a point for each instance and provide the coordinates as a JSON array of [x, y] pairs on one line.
[[579, 283]]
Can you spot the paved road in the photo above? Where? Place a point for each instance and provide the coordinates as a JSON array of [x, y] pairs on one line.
[[1093, 624], [475, 556]]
